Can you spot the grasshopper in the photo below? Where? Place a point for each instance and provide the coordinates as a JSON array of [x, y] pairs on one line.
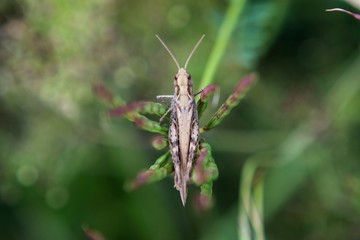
[[184, 124]]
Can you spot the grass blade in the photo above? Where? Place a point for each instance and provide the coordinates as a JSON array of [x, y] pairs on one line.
[[234, 10]]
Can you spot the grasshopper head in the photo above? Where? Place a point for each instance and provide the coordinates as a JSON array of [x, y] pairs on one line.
[[182, 78]]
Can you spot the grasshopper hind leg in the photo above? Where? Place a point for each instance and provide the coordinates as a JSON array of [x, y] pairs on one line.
[[179, 181], [194, 142]]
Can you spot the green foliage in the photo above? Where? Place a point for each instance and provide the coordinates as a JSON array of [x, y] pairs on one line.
[[289, 151], [203, 101], [162, 168], [205, 169], [132, 112], [231, 102], [227, 27]]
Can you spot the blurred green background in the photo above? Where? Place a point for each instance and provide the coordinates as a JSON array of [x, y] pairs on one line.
[[292, 144]]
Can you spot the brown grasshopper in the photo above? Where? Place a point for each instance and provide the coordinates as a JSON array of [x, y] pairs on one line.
[[184, 124]]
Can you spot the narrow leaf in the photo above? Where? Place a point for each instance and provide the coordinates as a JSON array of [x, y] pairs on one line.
[[149, 176], [146, 124], [138, 107], [103, 93], [205, 169], [161, 161], [132, 111], [202, 103], [250, 214], [227, 27], [232, 101], [204, 173]]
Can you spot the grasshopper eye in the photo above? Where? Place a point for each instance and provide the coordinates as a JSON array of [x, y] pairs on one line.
[[176, 76], [188, 75]]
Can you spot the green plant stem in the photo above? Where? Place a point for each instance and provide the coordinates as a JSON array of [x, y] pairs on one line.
[[244, 228], [250, 216], [233, 12]]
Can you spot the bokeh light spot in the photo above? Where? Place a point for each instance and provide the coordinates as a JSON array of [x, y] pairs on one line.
[[178, 16], [57, 197], [27, 175], [124, 77]]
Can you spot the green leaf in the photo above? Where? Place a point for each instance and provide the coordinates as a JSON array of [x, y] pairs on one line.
[[206, 189], [228, 25], [131, 111], [161, 161], [205, 169], [202, 103], [250, 215], [204, 173], [138, 107], [146, 124], [158, 171], [232, 101], [205, 198]]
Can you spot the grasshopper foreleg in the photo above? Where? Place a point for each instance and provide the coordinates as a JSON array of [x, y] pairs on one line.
[[166, 113], [161, 98]]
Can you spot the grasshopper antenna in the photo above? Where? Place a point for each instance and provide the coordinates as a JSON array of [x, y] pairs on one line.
[[192, 52], [177, 64]]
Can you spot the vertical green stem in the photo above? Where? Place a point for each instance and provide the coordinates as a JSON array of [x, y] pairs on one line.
[[250, 215], [222, 39], [244, 225]]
